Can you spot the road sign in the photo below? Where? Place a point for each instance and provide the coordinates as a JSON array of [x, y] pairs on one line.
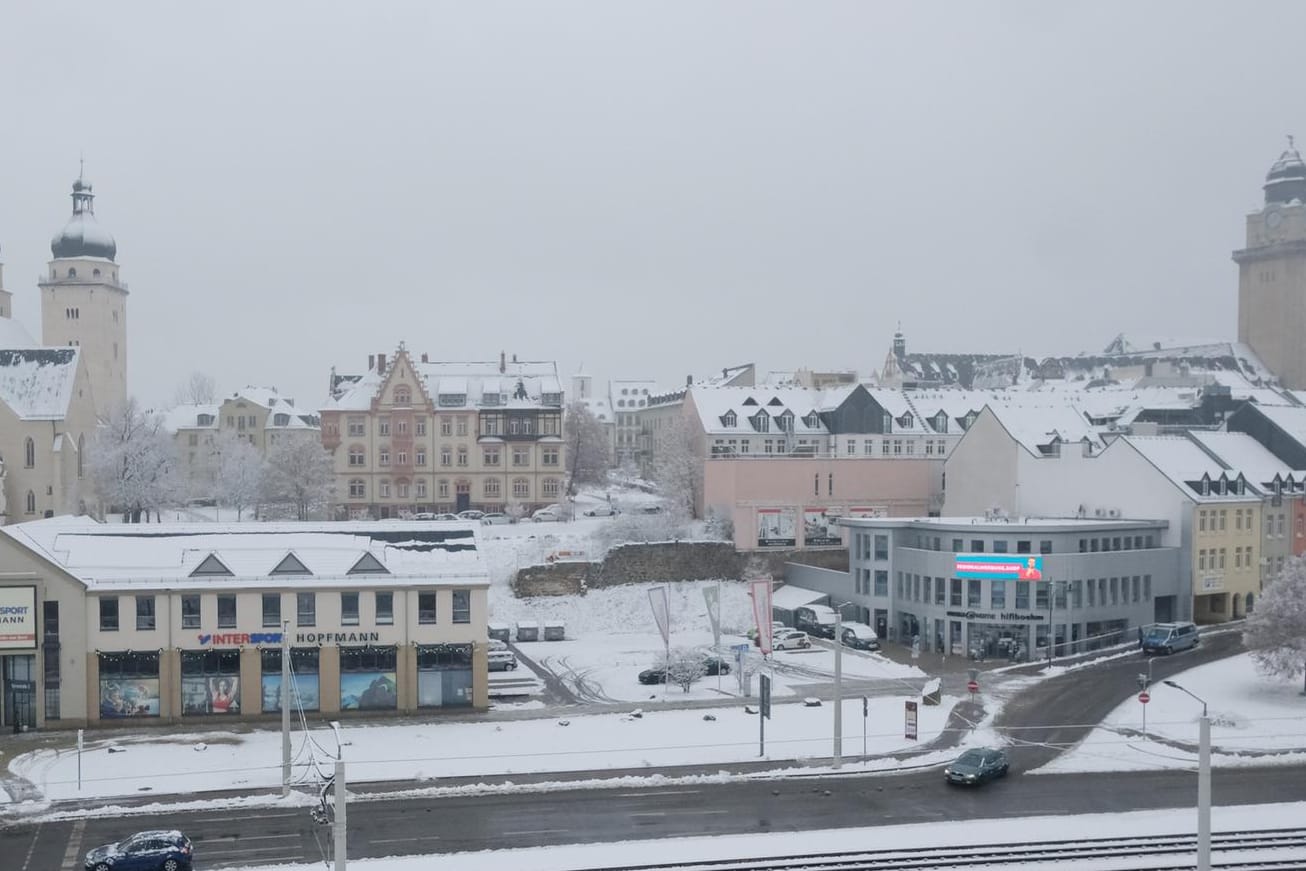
[[972, 685], [910, 716], [1144, 697], [766, 696], [866, 707]]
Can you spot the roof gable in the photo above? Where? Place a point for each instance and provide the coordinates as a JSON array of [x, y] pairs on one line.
[[290, 565], [368, 565]]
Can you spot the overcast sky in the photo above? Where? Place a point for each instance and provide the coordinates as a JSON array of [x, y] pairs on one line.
[[647, 189]]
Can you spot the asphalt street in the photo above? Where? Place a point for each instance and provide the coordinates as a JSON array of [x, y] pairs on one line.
[[1048, 715]]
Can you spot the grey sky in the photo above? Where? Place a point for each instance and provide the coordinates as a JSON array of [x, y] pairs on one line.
[[648, 189]]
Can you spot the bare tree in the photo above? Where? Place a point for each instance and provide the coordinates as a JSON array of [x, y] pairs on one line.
[[678, 467], [684, 666], [1276, 629], [300, 474], [198, 389], [133, 463], [589, 455], [239, 472]]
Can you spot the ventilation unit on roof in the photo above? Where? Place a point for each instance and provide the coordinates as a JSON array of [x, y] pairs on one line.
[[1099, 512], [1114, 512]]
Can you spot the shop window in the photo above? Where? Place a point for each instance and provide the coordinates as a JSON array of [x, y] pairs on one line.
[[367, 679], [210, 682], [444, 675], [129, 684], [305, 689]]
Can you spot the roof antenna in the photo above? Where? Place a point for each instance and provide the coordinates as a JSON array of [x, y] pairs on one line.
[[81, 163]]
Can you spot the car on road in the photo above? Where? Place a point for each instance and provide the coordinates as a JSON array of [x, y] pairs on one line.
[[546, 515], [603, 511], [791, 639], [471, 514], [495, 518], [977, 766], [859, 636], [1168, 637], [158, 850], [501, 660]]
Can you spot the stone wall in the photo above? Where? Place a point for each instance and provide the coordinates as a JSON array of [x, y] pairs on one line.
[[666, 561]]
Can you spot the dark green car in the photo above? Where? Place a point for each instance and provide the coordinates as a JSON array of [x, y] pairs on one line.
[[977, 766]]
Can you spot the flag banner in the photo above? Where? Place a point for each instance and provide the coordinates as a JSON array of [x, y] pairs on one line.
[[712, 596], [657, 598], [760, 590]]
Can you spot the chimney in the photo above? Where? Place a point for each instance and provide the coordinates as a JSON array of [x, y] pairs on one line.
[[380, 364], [514, 358], [503, 362], [689, 380], [371, 362], [425, 359]]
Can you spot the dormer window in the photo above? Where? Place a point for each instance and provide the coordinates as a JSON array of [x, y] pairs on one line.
[[750, 401], [452, 400], [775, 402], [941, 422], [204, 420], [970, 420], [729, 419], [886, 423], [786, 421], [281, 420], [905, 421], [813, 420], [761, 422]]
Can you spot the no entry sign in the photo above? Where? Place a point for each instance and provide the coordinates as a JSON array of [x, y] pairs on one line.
[[1144, 697], [973, 686]]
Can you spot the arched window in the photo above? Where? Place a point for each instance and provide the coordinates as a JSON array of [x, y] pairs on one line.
[[95, 273], [29, 453], [72, 273], [81, 455], [31, 502], [402, 396]]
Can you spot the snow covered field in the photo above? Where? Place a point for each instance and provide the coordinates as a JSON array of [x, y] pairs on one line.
[[904, 837], [427, 752], [1248, 713]]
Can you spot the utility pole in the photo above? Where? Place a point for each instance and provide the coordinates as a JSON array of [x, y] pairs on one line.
[[838, 688], [340, 846], [1203, 782], [285, 708]]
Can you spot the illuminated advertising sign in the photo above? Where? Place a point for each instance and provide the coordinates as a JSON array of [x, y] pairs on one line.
[[999, 566], [17, 618]]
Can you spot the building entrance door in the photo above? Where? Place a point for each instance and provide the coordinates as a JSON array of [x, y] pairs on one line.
[[462, 496], [18, 675]]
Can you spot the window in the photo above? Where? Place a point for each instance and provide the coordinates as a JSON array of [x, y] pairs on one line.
[[1147, 588], [402, 396], [426, 608], [940, 592], [190, 612], [29, 453], [304, 668], [446, 456], [461, 426], [521, 456], [210, 682], [144, 612], [1000, 546], [1077, 593], [421, 488], [442, 489], [955, 593], [462, 606], [306, 609], [492, 488], [492, 456], [1045, 546], [348, 609], [549, 456], [357, 488], [998, 594], [446, 426], [357, 427], [357, 457], [420, 456], [30, 505], [420, 426], [271, 610], [1224, 517], [550, 487], [976, 546], [383, 426], [385, 609], [1022, 595], [1022, 546], [226, 612], [881, 582], [462, 455], [881, 547], [109, 614], [383, 489], [973, 592], [521, 488], [384, 457], [401, 458], [1041, 595]]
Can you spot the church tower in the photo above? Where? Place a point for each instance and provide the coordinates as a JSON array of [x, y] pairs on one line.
[[1272, 273], [84, 304]]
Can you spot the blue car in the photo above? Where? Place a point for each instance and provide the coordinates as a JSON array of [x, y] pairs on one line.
[[144, 851]]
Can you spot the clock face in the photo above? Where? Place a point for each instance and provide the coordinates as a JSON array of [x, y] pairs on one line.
[[1273, 220]]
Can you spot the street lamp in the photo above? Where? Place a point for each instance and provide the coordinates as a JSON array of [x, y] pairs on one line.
[[837, 756], [1203, 783]]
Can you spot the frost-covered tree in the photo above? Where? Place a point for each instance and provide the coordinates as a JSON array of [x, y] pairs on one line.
[[299, 474], [624, 528], [678, 467], [198, 389], [1276, 629], [589, 455], [239, 472], [133, 464], [684, 666]]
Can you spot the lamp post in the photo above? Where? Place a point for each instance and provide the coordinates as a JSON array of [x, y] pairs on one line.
[[837, 756], [1203, 783]]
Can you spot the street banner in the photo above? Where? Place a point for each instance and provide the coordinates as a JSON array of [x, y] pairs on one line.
[[657, 598], [775, 527], [712, 596], [821, 527], [760, 590]]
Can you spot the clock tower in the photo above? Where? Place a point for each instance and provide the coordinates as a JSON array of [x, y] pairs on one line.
[[1272, 273]]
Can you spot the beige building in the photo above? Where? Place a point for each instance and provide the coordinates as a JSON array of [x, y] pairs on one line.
[[258, 415], [112, 623], [414, 436], [1272, 273]]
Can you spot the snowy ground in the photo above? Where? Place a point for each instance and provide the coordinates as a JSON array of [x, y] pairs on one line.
[[904, 837], [1249, 713], [427, 752]]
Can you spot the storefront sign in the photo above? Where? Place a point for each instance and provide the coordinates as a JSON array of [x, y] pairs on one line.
[[123, 698], [775, 527], [999, 566], [335, 637], [17, 617], [1004, 616], [241, 638], [821, 527]]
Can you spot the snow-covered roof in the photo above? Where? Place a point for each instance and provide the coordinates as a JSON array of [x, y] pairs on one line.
[[445, 382], [714, 404], [1290, 419], [1183, 461], [1242, 453], [188, 415], [37, 383], [790, 597], [151, 556], [1037, 426], [15, 335]]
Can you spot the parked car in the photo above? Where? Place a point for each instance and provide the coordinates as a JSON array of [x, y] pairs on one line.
[[159, 850], [653, 675], [501, 660], [776, 628], [817, 619], [712, 664], [1168, 637], [546, 515], [716, 664], [471, 514], [650, 508], [602, 511], [495, 518], [977, 766], [791, 639], [859, 636], [427, 515], [495, 644]]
